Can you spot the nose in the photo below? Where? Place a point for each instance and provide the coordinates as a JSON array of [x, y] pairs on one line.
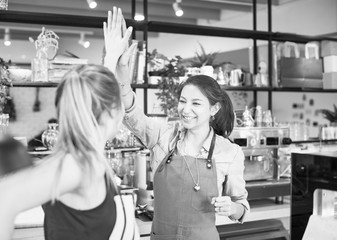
[[186, 108]]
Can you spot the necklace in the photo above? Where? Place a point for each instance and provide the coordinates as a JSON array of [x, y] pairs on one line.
[[196, 183]]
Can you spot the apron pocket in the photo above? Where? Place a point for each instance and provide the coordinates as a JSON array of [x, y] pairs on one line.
[[201, 200]]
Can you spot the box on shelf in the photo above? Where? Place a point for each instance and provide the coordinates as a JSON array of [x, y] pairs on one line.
[[330, 80], [330, 63], [328, 48], [301, 72]]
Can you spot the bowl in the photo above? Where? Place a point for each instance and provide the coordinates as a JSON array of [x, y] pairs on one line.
[[20, 74]]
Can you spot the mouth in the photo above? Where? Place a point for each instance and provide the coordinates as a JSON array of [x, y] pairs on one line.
[[187, 118]]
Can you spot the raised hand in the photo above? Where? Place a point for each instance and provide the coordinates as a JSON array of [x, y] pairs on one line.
[[116, 37], [123, 72]]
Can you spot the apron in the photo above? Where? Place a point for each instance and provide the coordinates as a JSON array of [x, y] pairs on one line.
[[180, 212]]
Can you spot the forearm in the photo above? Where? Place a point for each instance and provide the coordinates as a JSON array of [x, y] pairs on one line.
[[110, 63], [127, 96], [6, 222], [238, 211]]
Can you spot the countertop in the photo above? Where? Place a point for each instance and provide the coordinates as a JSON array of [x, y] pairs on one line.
[[260, 209]]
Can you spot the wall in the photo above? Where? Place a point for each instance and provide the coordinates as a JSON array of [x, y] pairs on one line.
[[302, 16]]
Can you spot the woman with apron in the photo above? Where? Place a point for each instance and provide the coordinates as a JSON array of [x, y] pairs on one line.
[[198, 171]]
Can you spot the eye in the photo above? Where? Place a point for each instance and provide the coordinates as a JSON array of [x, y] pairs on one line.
[[182, 101], [196, 104]]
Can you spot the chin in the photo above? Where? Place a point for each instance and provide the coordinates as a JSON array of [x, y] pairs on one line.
[[187, 125]]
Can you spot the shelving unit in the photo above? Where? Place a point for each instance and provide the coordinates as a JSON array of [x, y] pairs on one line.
[[155, 26]]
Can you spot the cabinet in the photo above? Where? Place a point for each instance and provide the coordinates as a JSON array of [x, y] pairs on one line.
[[147, 26]]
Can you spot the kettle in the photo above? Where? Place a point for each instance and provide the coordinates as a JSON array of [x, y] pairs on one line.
[[235, 77]]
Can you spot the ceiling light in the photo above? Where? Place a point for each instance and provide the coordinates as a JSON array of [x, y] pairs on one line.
[[83, 42], [139, 17], [177, 8], [92, 3], [7, 37]]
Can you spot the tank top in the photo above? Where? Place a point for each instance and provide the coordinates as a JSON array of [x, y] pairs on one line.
[[62, 222]]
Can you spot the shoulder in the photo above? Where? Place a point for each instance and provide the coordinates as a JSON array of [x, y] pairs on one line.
[[226, 150]]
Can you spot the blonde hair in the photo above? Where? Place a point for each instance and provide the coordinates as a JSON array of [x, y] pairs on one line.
[[83, 95]]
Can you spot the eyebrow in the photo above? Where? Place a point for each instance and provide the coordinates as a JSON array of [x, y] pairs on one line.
[[194, 99]]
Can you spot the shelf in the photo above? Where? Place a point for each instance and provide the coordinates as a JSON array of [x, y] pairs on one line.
[[190, 29], [282, 37], [155, 86], [314, 141], [152, 86], [34, 84], [61, 19], [229, 88], [288, 89]]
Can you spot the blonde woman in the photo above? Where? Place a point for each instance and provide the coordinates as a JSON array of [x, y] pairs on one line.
[[75, 183]]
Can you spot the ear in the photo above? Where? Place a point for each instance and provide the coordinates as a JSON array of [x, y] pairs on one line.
[[215, 108]]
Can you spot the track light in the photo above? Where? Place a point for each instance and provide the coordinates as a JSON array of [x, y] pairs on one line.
[[7, 38], [139, 17], [83, 42], [177, 8], [92, 3]]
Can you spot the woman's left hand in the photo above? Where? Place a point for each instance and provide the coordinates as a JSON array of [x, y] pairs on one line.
[[223, 205], [116, 37]]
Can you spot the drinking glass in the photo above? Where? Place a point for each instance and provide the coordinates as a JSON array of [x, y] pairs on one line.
[[3, 4]]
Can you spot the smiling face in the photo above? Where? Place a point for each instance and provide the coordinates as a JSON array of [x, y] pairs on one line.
[[194, 108]]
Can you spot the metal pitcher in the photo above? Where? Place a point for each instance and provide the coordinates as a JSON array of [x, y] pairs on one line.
[[235, 78]]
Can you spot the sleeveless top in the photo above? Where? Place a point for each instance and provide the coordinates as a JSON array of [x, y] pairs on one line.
[[110, 218]]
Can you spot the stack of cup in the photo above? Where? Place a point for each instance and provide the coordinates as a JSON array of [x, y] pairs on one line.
[[329, 54]]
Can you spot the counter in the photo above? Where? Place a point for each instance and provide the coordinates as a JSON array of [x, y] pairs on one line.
[[29, 224]]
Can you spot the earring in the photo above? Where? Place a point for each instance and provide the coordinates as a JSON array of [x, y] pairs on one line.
[[212, 117]]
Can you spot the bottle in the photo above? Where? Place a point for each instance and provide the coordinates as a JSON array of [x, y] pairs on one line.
[[258, 116], [267, 119], [111, 157], [221, 77], [126, 169], [247, 118]]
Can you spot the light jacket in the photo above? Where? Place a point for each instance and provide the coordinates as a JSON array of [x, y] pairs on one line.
[[159, 137]]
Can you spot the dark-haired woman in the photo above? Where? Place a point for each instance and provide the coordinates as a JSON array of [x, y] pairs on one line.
[[198, 171]]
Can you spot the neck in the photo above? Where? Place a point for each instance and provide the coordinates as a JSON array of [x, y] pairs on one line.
[[194, 139]]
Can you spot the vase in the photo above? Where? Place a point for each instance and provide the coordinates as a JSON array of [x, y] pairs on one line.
[[40, 67], [49, 136]]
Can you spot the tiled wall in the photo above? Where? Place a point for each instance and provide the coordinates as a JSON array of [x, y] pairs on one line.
[[30, 123]]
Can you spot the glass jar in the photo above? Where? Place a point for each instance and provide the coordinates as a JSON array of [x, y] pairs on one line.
[[49, 136], [40, 67]]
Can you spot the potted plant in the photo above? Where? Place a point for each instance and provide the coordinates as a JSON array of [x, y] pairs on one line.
[[168, 86], [156, 65], [204, 61], [5, 82], [330, 115]]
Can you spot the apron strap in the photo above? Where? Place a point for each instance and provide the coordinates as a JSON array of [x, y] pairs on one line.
[[210, 153], [224, 186], [170, 154]]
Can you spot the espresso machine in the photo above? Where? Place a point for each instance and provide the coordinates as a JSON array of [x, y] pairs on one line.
[[265, 172]]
